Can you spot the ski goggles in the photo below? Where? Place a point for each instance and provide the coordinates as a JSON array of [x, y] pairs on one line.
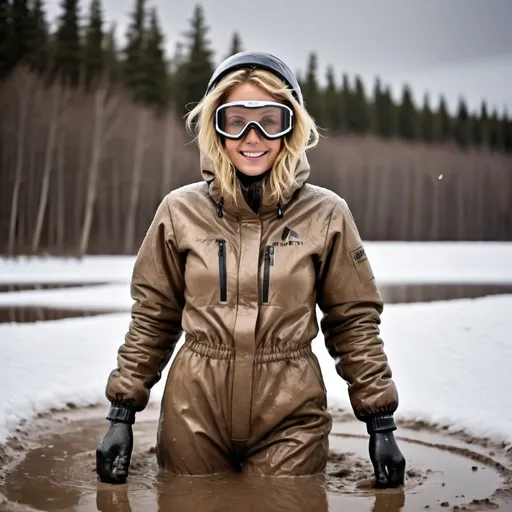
[[271, 120]]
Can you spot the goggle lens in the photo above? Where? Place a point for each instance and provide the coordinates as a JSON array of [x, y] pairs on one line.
[[271, 120]]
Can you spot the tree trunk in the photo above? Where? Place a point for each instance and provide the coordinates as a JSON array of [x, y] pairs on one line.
[[140, 146], [94, 166], [169, 149], [61, 196], [24, 102], [48, 161]]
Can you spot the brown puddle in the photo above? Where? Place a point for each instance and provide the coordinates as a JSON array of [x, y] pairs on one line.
[[423, 292], [59, 475], [21, 287], [25, 314], [391, 293]]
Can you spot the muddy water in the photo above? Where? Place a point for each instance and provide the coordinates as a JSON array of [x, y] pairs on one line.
[[404, 293], [21, 287], [391, 293], [58, 474], [23, 314]]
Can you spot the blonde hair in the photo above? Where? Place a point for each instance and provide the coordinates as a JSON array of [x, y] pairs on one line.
[[303, 137]]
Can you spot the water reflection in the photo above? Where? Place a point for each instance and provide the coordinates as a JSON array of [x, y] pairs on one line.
[[236, 492], [428, 292], [21, 287], [24, 314], [252, 494], [391, 293]]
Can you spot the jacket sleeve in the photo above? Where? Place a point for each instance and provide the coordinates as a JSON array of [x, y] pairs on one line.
[[351, 303], [157, 289]]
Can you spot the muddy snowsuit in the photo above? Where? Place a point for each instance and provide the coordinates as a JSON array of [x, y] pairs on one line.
[[243, 287]]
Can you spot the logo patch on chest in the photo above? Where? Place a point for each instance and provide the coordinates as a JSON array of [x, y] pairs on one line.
[[288, 233], [289, 237]]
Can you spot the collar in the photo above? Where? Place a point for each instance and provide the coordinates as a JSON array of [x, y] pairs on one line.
[[239, 207]]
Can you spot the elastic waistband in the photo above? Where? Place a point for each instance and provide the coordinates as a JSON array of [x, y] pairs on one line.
[[262, 355]]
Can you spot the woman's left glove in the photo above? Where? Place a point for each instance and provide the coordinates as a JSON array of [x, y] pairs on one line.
[[387, 459], [115, 449]]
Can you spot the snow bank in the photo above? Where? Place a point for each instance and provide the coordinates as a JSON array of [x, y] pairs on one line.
[[392, 262], [451, 362], [110, 297], [90, 269]]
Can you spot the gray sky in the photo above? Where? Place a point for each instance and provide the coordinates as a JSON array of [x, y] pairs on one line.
[[422, 41]]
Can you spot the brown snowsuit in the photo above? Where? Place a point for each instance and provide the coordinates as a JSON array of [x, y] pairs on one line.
[[245, 388]]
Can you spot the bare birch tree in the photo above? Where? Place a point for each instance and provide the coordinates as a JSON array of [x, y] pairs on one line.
[[48, 163], [140, 148], [103, 109], [24, 101]]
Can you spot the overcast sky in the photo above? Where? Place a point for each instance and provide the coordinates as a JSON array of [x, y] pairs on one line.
[[430, 43]]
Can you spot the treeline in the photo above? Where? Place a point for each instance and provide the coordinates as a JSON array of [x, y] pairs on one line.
[[92, 138], [81, 53]]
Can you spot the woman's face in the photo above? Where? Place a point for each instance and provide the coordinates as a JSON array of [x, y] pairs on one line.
[[253, 154]]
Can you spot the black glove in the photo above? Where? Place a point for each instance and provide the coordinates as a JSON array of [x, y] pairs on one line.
[[387, 459], [115, 449]]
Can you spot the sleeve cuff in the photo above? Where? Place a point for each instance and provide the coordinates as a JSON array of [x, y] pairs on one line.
[[121, 414], [384, 423]]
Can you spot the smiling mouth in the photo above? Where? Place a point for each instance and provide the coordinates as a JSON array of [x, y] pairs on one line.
[[253, 155]]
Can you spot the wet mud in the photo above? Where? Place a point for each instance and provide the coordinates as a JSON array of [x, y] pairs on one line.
[[50, 466]]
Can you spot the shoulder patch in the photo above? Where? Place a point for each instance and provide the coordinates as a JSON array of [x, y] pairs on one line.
[[358, 255]]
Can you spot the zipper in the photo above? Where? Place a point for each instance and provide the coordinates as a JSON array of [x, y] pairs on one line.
[[269, 261], [222, 270]]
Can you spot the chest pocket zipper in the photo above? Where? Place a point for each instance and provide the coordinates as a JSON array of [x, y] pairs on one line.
[[269, 261], [222, 270]]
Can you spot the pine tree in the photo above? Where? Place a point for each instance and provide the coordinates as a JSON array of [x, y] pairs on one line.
[[236, 45], [484, 124], [20, 31], [358, 115], [93, 47], [376, 105], [476, 130], [133, 65], [408, 127], [176, 65], [427, 120], [38, 40], [443, 123], [112, 63], [462, 127], [507, 132], [496, 134], [197, 67], [67, 43], [345, 101], [384, 111], [6, 57], [157, 91], [332, 103], [311, 91]]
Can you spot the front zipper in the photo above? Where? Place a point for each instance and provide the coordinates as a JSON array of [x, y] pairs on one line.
[[269, 261], [222, 270]]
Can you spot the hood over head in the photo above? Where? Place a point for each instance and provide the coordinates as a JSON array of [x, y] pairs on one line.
[[269, 62]]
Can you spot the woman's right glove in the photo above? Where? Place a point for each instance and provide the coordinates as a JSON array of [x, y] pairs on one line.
[[115, 449]]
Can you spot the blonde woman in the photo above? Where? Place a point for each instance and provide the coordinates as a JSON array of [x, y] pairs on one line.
[[238, 263]]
